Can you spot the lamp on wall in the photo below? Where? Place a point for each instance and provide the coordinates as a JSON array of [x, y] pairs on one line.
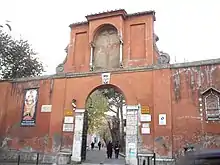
[[74, 104]]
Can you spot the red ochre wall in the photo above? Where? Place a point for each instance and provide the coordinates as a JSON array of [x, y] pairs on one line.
[[156, 89]]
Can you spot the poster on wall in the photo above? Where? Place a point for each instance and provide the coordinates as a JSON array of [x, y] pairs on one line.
[[162, 119], [29, 107]]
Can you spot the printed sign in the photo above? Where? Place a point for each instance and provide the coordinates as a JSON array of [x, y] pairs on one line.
[[46, 108], [146, 125], [145, 110], [146, 117], [29, 107], [68, 112], [145, 130], [106, 78], [68, 119], [162, 119], [68, 127]]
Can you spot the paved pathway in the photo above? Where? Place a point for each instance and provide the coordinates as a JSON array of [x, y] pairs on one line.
[[97, 157]]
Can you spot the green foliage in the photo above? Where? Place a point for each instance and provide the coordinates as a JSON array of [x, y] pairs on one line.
[[104, 132], [6, 24], [17, 58], [96, 106], [114, 97]]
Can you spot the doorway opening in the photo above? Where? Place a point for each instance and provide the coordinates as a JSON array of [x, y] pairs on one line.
[[104, 122]]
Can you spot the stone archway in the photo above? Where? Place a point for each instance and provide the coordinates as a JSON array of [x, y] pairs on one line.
[[115, 131], [131, 130]]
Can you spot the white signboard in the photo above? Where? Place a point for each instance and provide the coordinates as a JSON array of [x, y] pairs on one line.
[[162, 119], [145, 130], [146, 117], [68, 119], [106, 78], [46, 108], [146, 125], [68, 127]]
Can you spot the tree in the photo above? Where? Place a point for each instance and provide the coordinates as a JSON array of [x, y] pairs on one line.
[[116, 101], [97, 106], [17, 58], [6, 23], [104, 132]]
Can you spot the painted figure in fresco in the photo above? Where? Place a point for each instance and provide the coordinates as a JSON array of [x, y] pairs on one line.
[[29, 107]]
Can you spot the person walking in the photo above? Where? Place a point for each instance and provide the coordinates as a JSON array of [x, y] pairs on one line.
[[117, 149], [99, 144], [109, 150], [92, 145]]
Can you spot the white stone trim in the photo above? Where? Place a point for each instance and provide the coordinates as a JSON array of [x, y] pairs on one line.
[[132, 107], [80, 110]]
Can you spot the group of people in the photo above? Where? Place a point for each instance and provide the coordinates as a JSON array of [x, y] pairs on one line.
[[110, 148], [93, 145]]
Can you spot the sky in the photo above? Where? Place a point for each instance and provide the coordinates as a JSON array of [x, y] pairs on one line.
[[188, 29]]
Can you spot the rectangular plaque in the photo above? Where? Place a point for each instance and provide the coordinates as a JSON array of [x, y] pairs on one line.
[[68, 112], [46, 108], [68, 127], [162, 119], [146, 117], [145, 109], [68, 119]]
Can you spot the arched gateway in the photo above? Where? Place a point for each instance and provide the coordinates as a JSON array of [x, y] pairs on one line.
[[118, 49]]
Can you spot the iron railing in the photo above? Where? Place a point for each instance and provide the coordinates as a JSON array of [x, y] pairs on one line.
[[146, 159], [16, 157]]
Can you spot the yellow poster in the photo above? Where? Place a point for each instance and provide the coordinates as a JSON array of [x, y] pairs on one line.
[[68, 112], [145, 109]]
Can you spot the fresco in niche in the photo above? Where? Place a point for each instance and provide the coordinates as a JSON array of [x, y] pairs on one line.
[[106, 49], [29, 108]]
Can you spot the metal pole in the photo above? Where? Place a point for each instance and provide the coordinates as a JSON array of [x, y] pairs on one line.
[[154, 159], [19, 159], [37, 158]]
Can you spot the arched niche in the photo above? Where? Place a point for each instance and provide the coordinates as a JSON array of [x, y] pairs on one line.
[[106, 48]]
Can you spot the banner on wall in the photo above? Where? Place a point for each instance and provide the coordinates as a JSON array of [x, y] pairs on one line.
[[29, 107]]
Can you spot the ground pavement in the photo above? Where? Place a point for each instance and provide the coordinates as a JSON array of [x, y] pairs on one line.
[[96, 157]]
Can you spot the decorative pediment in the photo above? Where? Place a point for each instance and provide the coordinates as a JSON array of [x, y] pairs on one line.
[[209, 90], [163, 58]]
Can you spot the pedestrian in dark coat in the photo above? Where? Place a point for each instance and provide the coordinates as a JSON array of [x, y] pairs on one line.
[[117, 149], [99, 144], [109, 150]]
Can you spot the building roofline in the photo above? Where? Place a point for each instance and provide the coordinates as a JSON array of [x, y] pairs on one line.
[[118, 71], [123, 12]]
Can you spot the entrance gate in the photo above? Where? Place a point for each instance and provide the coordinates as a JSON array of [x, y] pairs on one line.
[[112, 48]]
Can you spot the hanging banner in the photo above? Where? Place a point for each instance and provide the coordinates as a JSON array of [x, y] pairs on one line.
[[106, 78], [29, 107]]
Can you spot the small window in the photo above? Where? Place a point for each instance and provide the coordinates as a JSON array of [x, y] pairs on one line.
[[212, 108]]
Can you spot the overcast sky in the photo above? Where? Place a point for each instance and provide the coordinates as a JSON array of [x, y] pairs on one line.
[[188, 29]]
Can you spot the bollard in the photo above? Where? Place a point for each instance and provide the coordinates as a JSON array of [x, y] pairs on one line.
[[37, 158], [154, 158], [19, 157]]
